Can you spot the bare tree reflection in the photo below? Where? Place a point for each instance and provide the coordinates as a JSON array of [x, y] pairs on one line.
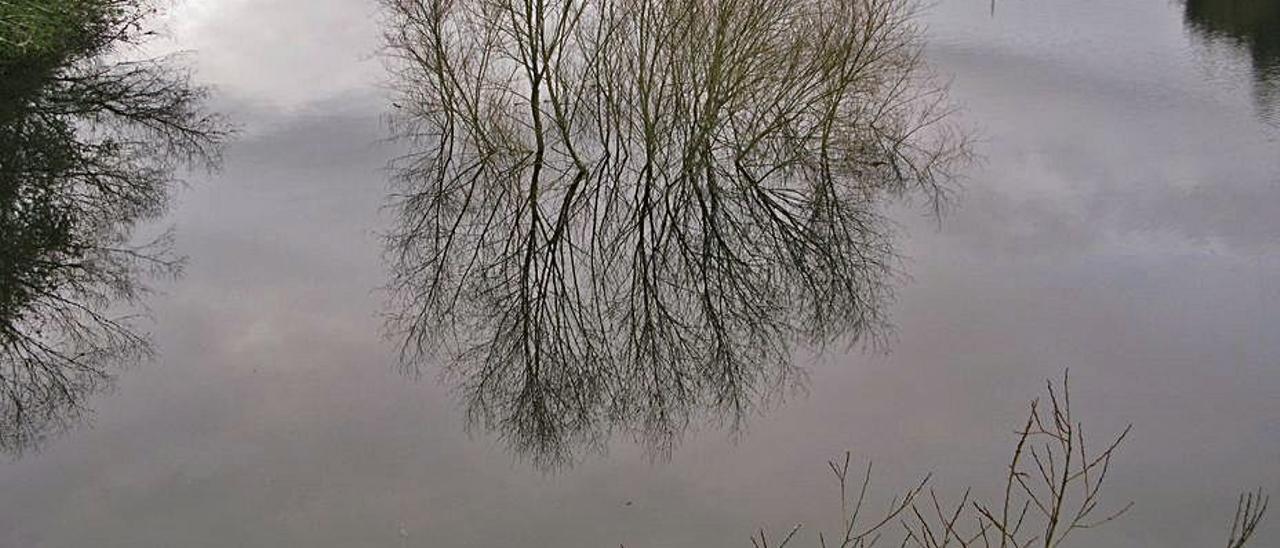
[[1254, 25], [88, 150], [621, 215]]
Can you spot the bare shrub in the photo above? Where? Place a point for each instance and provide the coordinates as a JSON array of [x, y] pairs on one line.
[[1053, 488]]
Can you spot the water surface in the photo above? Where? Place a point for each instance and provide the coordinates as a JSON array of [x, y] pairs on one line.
[[1124, 224]]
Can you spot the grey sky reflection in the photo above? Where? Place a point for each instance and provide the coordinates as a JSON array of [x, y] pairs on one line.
[[1122, 226]]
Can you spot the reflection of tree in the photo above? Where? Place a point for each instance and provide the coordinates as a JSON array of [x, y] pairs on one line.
[[623, 213], [88, 149], [1254, 24]]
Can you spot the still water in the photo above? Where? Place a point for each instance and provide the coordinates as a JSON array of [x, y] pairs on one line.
[[1123, 224]]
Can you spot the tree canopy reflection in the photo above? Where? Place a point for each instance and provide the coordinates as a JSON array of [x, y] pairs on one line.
[[623, 215], [88, 150], [1255, 26]]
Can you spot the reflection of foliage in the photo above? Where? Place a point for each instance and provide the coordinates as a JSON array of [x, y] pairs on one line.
[[1254, 24], [88, 149], [626, 212], [1053, 488]]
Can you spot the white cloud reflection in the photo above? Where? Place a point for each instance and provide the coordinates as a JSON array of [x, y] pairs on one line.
[[280, 53]]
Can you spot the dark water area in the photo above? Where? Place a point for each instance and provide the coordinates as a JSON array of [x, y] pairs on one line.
[[1123, 222], [1250, 25]]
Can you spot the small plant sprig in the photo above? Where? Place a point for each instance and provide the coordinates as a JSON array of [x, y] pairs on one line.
[[1053, 488]]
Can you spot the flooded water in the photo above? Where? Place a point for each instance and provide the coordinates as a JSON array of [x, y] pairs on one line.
[[1124, 223]]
